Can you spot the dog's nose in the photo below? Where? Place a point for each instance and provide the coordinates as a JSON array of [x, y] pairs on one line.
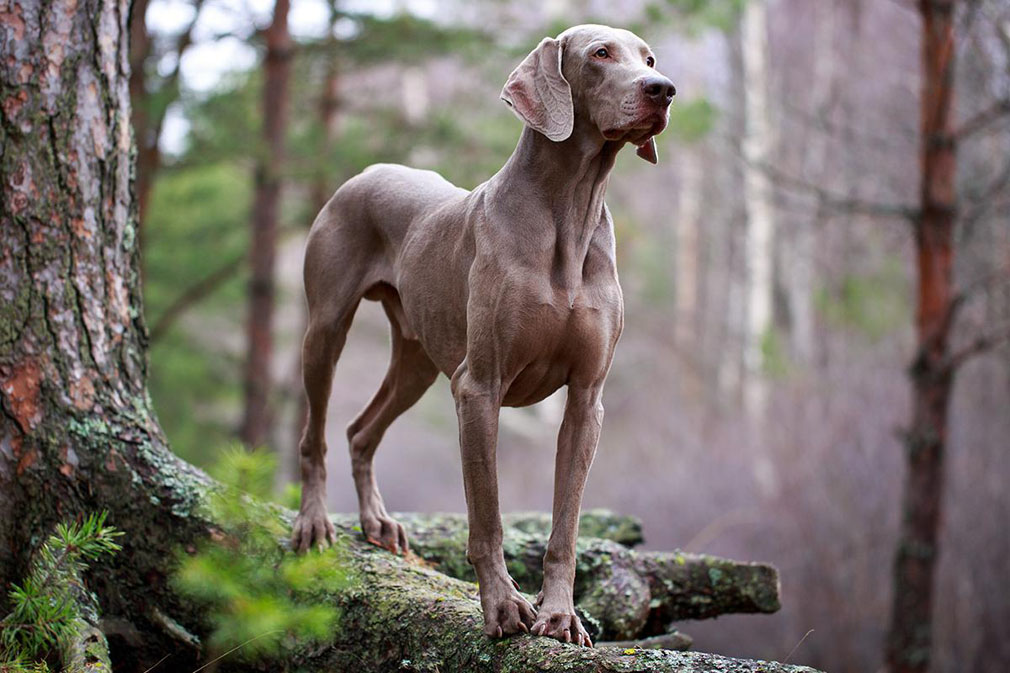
[[659, 89]]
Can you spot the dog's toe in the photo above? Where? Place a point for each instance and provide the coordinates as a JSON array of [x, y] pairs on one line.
[[561, 625], [386, 532], [512, 615]]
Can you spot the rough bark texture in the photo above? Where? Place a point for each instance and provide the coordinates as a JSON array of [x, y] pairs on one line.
[[78, 433], [414, 618], [263, 246], [910, 636]]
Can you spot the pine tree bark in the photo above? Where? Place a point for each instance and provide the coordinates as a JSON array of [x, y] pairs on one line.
[[77, 431], [910, 635], [263, 247]]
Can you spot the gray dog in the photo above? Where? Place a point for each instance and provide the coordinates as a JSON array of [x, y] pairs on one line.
[[510, 290]]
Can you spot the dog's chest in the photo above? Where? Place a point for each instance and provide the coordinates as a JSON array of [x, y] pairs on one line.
[[557, 334]]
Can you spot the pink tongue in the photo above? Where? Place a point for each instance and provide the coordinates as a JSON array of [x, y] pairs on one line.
[[647, 151]]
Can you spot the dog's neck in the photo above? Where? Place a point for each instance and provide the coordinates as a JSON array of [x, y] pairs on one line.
[[570, 176], [568, 180]]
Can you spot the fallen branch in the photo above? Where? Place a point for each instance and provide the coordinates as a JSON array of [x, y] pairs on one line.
[[626, 594], [668, 641], [407, 616], [601, 523]]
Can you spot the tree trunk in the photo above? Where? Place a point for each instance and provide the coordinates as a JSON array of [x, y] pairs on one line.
[[77, 432], [150, 107], [687, 226], [148, 157], [801, 247], [263, 247], [910, 637], [757, 146], [759, 248]]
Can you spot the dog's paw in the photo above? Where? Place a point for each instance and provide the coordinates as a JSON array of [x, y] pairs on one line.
[[386, 532], [561, 625], [507, 615], [312, 528]]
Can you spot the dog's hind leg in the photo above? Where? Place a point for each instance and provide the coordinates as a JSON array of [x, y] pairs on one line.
[[324, 340], [411, 372], [333, 288]]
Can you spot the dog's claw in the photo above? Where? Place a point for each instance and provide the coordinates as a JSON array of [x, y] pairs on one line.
[[562, 625], [506, 611], [384, 531], [312, 528]]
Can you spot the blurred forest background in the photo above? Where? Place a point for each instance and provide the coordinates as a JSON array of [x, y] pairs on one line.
[[759, 395]]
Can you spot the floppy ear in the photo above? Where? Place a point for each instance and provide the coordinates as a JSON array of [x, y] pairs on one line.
[[647, 151], [538, 93]]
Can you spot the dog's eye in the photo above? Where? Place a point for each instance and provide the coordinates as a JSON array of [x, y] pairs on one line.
[[601, 53], [650, 61]]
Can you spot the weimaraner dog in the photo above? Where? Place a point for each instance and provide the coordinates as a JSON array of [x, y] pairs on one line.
[[510, 290]]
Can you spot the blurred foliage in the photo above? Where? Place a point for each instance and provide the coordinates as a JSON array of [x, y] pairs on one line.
[[692, 120], [774, 360], [198, 219], [197, 222], [694, 16], [874, 303], [46, 610], [404, 37], [261, 599]]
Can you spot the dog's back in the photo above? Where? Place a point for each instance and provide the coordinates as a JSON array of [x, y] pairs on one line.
[[387, 198]]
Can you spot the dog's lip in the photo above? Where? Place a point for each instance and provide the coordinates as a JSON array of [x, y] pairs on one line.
[[640, 130]]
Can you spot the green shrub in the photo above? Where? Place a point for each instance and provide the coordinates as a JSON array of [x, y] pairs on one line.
[[46, 607], [262, 599]]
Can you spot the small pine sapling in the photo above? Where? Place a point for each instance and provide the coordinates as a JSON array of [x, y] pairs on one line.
[[47, 604], [262, 599]]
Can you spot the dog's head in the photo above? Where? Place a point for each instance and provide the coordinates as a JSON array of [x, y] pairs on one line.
[[597, 73]]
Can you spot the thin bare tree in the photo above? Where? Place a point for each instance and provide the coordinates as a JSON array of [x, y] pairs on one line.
[[256, 420]]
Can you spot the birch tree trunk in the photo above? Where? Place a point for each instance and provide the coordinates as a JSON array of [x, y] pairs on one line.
[[686, 224], [757, 146], [800, 250], [726, 274], [263, 248]]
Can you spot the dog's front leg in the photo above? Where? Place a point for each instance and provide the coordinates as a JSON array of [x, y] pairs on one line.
[[580, 432], [477, 406]]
